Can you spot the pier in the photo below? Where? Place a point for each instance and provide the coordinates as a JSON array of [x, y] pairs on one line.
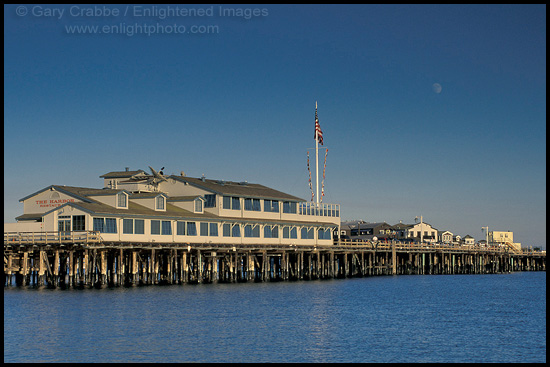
[[82, 259]]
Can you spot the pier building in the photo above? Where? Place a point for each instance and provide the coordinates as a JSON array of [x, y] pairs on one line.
[[136, 207]]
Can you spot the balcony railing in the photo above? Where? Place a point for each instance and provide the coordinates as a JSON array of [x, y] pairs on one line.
[[53, 237], [319, 209]]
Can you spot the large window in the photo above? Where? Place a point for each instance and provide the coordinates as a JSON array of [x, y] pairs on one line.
[[252, 204], [139, 226], [307, 233], [210, 201], [155, 226], [166, 227], [231, 202], [79, 223], [289, 207], [251, 231], [191, 229], [110, 225], [290, 232], [128, 226], [214, 229], [271, 206], [180, 228], [324, 234], [236, 231], [99, 224], [271, 231]]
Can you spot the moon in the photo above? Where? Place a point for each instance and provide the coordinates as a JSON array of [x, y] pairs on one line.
[[437, 88]]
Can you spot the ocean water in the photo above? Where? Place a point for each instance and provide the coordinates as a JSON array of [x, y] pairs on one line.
[[416, 318]]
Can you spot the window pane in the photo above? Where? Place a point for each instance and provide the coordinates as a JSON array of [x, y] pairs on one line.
[[191, 229], [155, 227], [293, 232], [256, 231], [139, 226], [128, 226], [122, 200], [78, 223], [236, 231], [227, 230], [214, 229], [286, 232], [198, 206], [180, 228], [204, 229], [247, 204], [256, 206], [275, 206], [110, 225], [235, 203], [275, 232], [227, 202], [99, 224], [267, 205], [166, 227], [210, 201], [160, 202], [267, 231]]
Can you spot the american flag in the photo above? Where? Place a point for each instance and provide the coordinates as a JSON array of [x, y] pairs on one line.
[[318, 132]]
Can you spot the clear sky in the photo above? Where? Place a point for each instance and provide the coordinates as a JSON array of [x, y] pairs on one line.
[[437, 111]]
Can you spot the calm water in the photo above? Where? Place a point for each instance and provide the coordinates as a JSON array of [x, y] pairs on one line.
[[431, 318]]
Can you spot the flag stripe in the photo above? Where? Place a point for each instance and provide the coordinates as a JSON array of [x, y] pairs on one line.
[[318, 132]]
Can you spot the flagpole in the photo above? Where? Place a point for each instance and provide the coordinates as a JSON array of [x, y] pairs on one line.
[[317, 156]]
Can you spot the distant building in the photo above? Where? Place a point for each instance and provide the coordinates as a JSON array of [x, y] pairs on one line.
[[503, 238], [468, 240], [445, 237]]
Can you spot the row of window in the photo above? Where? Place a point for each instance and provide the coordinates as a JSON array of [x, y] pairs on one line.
[[164, 227], [272, 206]]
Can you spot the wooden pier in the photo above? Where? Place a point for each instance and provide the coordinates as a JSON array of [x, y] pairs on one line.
[[82, 259]]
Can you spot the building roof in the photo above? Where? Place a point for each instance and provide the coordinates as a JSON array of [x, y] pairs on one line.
[[122, 174], [241, 189]]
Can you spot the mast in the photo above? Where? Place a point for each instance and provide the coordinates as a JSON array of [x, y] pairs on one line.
[[317, 152]]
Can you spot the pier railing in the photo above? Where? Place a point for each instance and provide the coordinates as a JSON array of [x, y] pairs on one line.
[[423, 247], [51, 237]]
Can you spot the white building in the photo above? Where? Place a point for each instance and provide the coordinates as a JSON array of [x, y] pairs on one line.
[[136, 207]]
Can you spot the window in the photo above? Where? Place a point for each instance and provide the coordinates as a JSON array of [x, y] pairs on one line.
[[127, 226], [99, 224], [198, 205], [166, 227], [180, 228], [159, 203], [252, 204], [79, 223], [324, 234], [235, 203], [271, 206], [155, 226], [227, 230], [204, 229], [289, 207], [210, 201], [110, 225], [191, 229], [290, 232], [271, 232], [214, 229], [227, 202], [307, 233], [231, 202], [139, 226], [236, 231], [251, 231], [121, 199]]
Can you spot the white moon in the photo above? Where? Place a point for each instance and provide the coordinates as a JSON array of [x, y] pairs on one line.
[[437, 88]]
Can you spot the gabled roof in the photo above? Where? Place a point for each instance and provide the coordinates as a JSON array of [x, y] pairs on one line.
[[80, 193], [122, 174], [241, 189]]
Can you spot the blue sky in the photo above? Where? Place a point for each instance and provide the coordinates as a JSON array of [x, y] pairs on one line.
[[238, 103]]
